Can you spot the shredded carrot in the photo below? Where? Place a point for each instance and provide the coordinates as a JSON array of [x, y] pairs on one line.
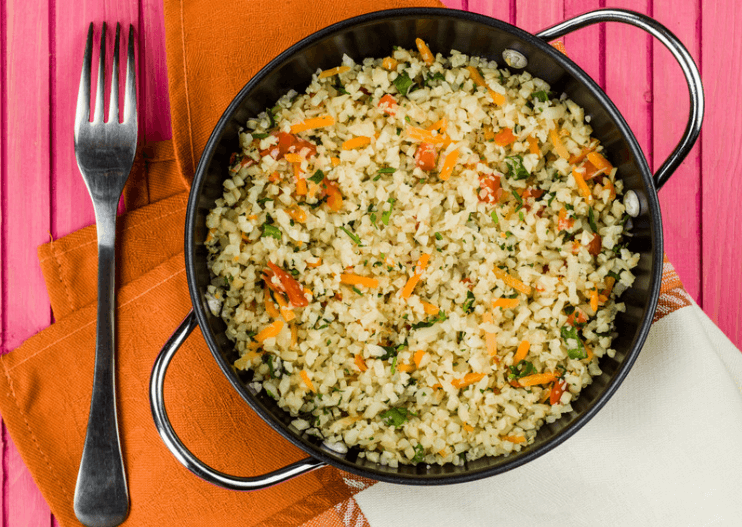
[[429, 308], [389, 64], [440, 125], [594, 299], [505, 303], [442, 452], [512, 281], [469, 378], [356, 142], [505, 137], [301, 183], [584, 189], [335, 161], [599, 162], [333, 71], [360, 363], [490, 338], [418, 357], [514, 439], [270, 307], [405, 367], [564, 222], [313, 265], [297, 214], [537, 378], [489, 133], [590, 354], [448, 165], [354, 279], [305, 377], [437, 386], [308, 291], [284, 308], [468, 427], [294, 335], [275, 177], [522, 351], [533, 145], [561, 150], [244, 237], [608, 183], [271, 330], [609, 283], [425, 52], [497, 98], [425, 136], [422, 263], [574, 159], [315, 122], [293, 158]]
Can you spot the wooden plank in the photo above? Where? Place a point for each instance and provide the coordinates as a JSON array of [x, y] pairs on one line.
[[455, 4], [155, 101], [587, 46], [25, 306], [680, 198], [535, 15], [721, 193], [502, 10]]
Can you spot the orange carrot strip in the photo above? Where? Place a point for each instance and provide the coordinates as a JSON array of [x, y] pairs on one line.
[[574, 159], [512, 281], [360, 363], [422, 263], [335, 161], [270, 307], [418, 357], [590, 354], [514, 439], [301, 183], [354, 279], [469, 378], [505, 137], [609, 283], [333, 71], [490, 338], [489, 133], [297, 214], [561, 150], [497, 98], [312, 265], [468, 427], [522, 351], [599, 162], [608, 183], [405, 367], [425, 136], [293, 158], [533, 145], [584, 189], [594, 299], [356, 142], [274, 177], [308, 291], [271, 330], [448, 165], [425, 52], [537, 378], [315, 122], [294, 335], [440, 125], [505, 303], [305, 377], [389, 63], [429, 308]]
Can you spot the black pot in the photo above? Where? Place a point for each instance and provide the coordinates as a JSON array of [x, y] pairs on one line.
[[373, 35]]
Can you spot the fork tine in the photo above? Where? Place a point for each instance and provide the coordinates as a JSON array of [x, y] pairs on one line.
[[99, 100], [130, 98], [113, 105], [82, 113]]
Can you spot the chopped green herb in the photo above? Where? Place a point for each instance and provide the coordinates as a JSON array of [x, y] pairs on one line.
[[518, 199], [522, 369], [272, 231], [373, 219], [542, 96], [591, 220], [495, 218], [440, 317], [403, 83], [259, 136], [317, 177], [388, 170], [419, 454], [294, 272], [352, 236], [319, 202], [263, 200], [356, 290], [614, 275], [435, 77], [551, 199], [407, 118], [515, 167], [399, 131], [570, 333], [394, 365], [438, 236], [396, 416], [520, 215], [387, 214], [468, 306]]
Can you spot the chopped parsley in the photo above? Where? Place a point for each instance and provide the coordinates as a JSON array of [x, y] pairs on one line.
[[520, 215], [391, 351], [542, 96], [394, 365], [352, 236], [373, 219], [434, 77], [386, 214], [259, 136], [388, 170], [570, 333], [591, 220], [403, 83], [438, 236], [468, 306], [419, 454], [263, 200], [515, 167], [356, 290], [396, 416], [551, 199], [317, 177], [522, 369], [495, 218], [272, 231], [440, 317]]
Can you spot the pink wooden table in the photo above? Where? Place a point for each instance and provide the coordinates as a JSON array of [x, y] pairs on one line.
[[43, 195]]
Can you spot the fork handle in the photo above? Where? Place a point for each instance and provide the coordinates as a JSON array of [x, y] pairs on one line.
[[101, 494]]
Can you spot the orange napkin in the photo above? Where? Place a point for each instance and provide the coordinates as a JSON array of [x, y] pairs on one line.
[[213, 48]]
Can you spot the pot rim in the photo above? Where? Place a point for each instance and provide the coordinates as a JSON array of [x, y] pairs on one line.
[[656, 234]]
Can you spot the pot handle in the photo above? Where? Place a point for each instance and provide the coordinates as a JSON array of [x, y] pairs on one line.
[[671, 42], [176, 446]]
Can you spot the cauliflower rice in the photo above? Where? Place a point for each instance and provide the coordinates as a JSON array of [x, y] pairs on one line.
[[458, 295]]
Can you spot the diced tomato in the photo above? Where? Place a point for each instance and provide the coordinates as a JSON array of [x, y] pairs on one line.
[[288, 143], [247, 162], [532, 193], [557, 390], [490, 191], [504, 137], [564, 222], [388, 105], [595, 245], [288, 285], [577, 317], [590, 171], [334, 197], [425, 156]]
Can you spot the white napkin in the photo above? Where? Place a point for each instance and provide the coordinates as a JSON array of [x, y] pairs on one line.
[[665, 450]]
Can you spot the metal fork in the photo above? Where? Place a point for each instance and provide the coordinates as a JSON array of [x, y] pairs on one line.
[[105, 154]]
